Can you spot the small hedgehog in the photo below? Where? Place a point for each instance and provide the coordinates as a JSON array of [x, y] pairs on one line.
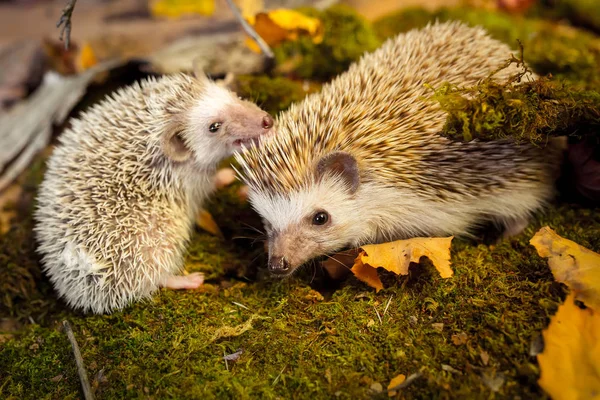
[[363, 161], [116, 206]]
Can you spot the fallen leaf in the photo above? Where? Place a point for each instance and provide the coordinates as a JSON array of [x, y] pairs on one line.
[[86, 58], [178, 8], [569, 366], [397, 256], [394, 383], [459, 338], [376, 387], [401, 383], [367, 274], [571, 264], [485, 357], [205, 221], [438, 326], [280, 25]]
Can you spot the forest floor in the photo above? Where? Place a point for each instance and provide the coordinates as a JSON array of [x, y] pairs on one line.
[[303, 337]]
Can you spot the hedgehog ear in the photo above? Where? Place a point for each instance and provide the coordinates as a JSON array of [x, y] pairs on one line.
[[175, 147], [342, 164]]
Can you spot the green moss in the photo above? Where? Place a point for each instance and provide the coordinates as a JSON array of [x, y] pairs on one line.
[[550, 48], [529, 111], [584, 13], [346, 36], [300, 345], [273, 94]]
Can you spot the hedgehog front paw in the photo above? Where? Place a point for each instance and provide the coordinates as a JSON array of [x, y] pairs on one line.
[[191, 281]]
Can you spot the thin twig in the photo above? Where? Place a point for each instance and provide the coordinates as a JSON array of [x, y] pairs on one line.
[[388, 305], [240, 305], [65, 18], [250, 31], [277, 377], [85, 383], [378, 316]]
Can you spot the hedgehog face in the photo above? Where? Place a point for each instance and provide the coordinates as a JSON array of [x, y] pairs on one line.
[[221, 123], [312, 222]]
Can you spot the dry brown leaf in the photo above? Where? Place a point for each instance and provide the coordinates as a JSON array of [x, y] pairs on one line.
[[86, 58], [178, 8], [396, 381], [280, 25], [570, 363], [205, 221], [571, 264], [397, 256], [459, 338]]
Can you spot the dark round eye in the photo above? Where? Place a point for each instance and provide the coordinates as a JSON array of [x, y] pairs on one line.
[[320, 218], [215, 127]]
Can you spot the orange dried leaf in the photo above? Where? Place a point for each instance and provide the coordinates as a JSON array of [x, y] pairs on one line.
[[397, 256], [86, 58], [205, 221], [280, 25], [395, 382], [178, 8], [571, 264], [570, 363], [367, 274]]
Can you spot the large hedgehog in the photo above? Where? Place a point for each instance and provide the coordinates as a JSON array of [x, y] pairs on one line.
[[115, 209], [363, 162]]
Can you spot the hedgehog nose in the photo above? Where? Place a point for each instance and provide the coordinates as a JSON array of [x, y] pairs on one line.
[[267, 122], [278, 265]]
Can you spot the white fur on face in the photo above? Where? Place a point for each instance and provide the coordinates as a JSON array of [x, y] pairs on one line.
[[210, 147], [290, 218]]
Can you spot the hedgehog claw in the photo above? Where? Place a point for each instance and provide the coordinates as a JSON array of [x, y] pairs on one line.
[[191, 281]]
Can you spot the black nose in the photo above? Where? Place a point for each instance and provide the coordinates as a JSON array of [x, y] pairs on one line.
[[278, 265], [267, 122]]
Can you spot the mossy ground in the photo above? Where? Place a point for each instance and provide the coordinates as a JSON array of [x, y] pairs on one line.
[[302, 337]]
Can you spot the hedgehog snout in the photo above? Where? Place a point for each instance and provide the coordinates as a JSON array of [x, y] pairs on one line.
[[279, 265]]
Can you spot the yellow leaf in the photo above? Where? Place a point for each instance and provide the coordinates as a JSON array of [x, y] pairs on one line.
[[178, 8], [570, 363], [205, 221], [397, 256], [398, 380], [367, 274], [280, 25], [86, 58], [571, 264]]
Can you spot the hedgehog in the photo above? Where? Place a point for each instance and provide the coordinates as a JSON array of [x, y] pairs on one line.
[[363, 161], [122, 187]]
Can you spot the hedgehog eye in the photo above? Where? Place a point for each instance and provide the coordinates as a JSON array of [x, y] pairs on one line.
[[215, 126], [320, 218]]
